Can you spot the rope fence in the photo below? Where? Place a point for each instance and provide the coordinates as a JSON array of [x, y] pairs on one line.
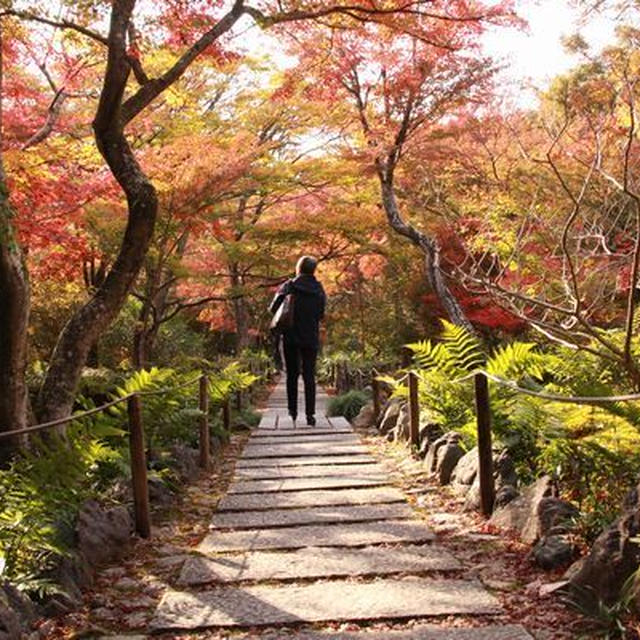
[[137, 439], [480, 378]]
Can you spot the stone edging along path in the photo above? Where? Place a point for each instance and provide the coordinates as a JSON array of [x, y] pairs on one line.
[[337, 544]]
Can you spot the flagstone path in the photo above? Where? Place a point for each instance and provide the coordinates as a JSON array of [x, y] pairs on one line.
[[312, 531]]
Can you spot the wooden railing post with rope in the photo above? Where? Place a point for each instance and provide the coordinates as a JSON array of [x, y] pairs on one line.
[[138, 467], [485, 450], [414, 410], [137, 439], [204, 439]]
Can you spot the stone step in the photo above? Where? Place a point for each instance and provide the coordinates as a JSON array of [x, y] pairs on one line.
[[312, 471], [314, 562], [306, 484], [349, 534], [331, 600], [319, 439], [339, 422], [301, 449], [421, 632], [304, 460], [310, 515], [258, 502], [285, 434]]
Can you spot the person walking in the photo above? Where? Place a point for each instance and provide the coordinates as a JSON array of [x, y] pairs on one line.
[[301, 340]]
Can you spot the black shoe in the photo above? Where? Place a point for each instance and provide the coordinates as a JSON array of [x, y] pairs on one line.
[[311, 421]]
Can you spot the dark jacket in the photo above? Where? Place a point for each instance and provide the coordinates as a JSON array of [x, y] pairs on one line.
[[308, 309]]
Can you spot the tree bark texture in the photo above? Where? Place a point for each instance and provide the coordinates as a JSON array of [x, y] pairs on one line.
[[431, 250], [14, 322], [14, 316], [84, 327], [240, 310]]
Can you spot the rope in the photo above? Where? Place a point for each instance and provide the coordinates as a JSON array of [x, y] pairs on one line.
[[511, 384], [514, 386], [59, 421], [90, 412]]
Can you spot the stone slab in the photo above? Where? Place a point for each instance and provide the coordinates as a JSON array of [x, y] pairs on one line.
[[301, 449], [307, 484], [336, 600], [348, 534], [312, 471], [320, 439], [310, 515], [259, 432], [314, 562], [284, 423], [304, 460], [248, 502], [426, 632], [339, 422]]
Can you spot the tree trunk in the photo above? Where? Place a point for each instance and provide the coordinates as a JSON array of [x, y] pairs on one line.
[[14, 317], [240, 311], [14, 321], [431, 251], [160, 280], [84, 327]]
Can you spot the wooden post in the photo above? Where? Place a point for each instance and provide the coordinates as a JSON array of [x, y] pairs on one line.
[[205, 441], [226, 415], [138, 467], [485, 452], [239, 400], [414, 410], [375, 388]]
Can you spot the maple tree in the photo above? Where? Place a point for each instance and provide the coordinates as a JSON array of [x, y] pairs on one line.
[[564, 257], [403, 90], [177, 28]]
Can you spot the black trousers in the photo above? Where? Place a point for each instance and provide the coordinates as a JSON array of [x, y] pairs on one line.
[[296, 359]]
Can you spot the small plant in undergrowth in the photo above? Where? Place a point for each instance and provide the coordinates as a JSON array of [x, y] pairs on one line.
[[41, 494], [348, 404], [610, 621], [593, 450]]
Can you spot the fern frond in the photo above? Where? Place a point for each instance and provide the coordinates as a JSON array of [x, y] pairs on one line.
[[515, 360], [466, 349]]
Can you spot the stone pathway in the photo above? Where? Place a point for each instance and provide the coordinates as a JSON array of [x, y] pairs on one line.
[[311, 531]]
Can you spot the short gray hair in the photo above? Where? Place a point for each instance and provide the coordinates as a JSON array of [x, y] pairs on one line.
[[307, 265]]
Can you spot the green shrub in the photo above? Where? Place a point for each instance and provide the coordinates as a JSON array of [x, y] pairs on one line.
[[40, 497], [348, 404]]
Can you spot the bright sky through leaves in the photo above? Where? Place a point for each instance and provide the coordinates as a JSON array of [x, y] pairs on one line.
[[535, 56]]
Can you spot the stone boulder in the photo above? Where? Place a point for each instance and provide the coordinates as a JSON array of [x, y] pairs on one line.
[[466, 470], [615, 555], [556, 516], [427, 435], [364, 419], [504, 469], [17, 613], [536, 513], [504, 495], [402, 430], [389, 416], [553, 551], [103, 533], [465, 474], [184, 460], [443, 456]]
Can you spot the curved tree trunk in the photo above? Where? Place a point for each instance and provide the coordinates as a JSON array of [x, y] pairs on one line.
[[14, 316], [84, 327], [431, 250]]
